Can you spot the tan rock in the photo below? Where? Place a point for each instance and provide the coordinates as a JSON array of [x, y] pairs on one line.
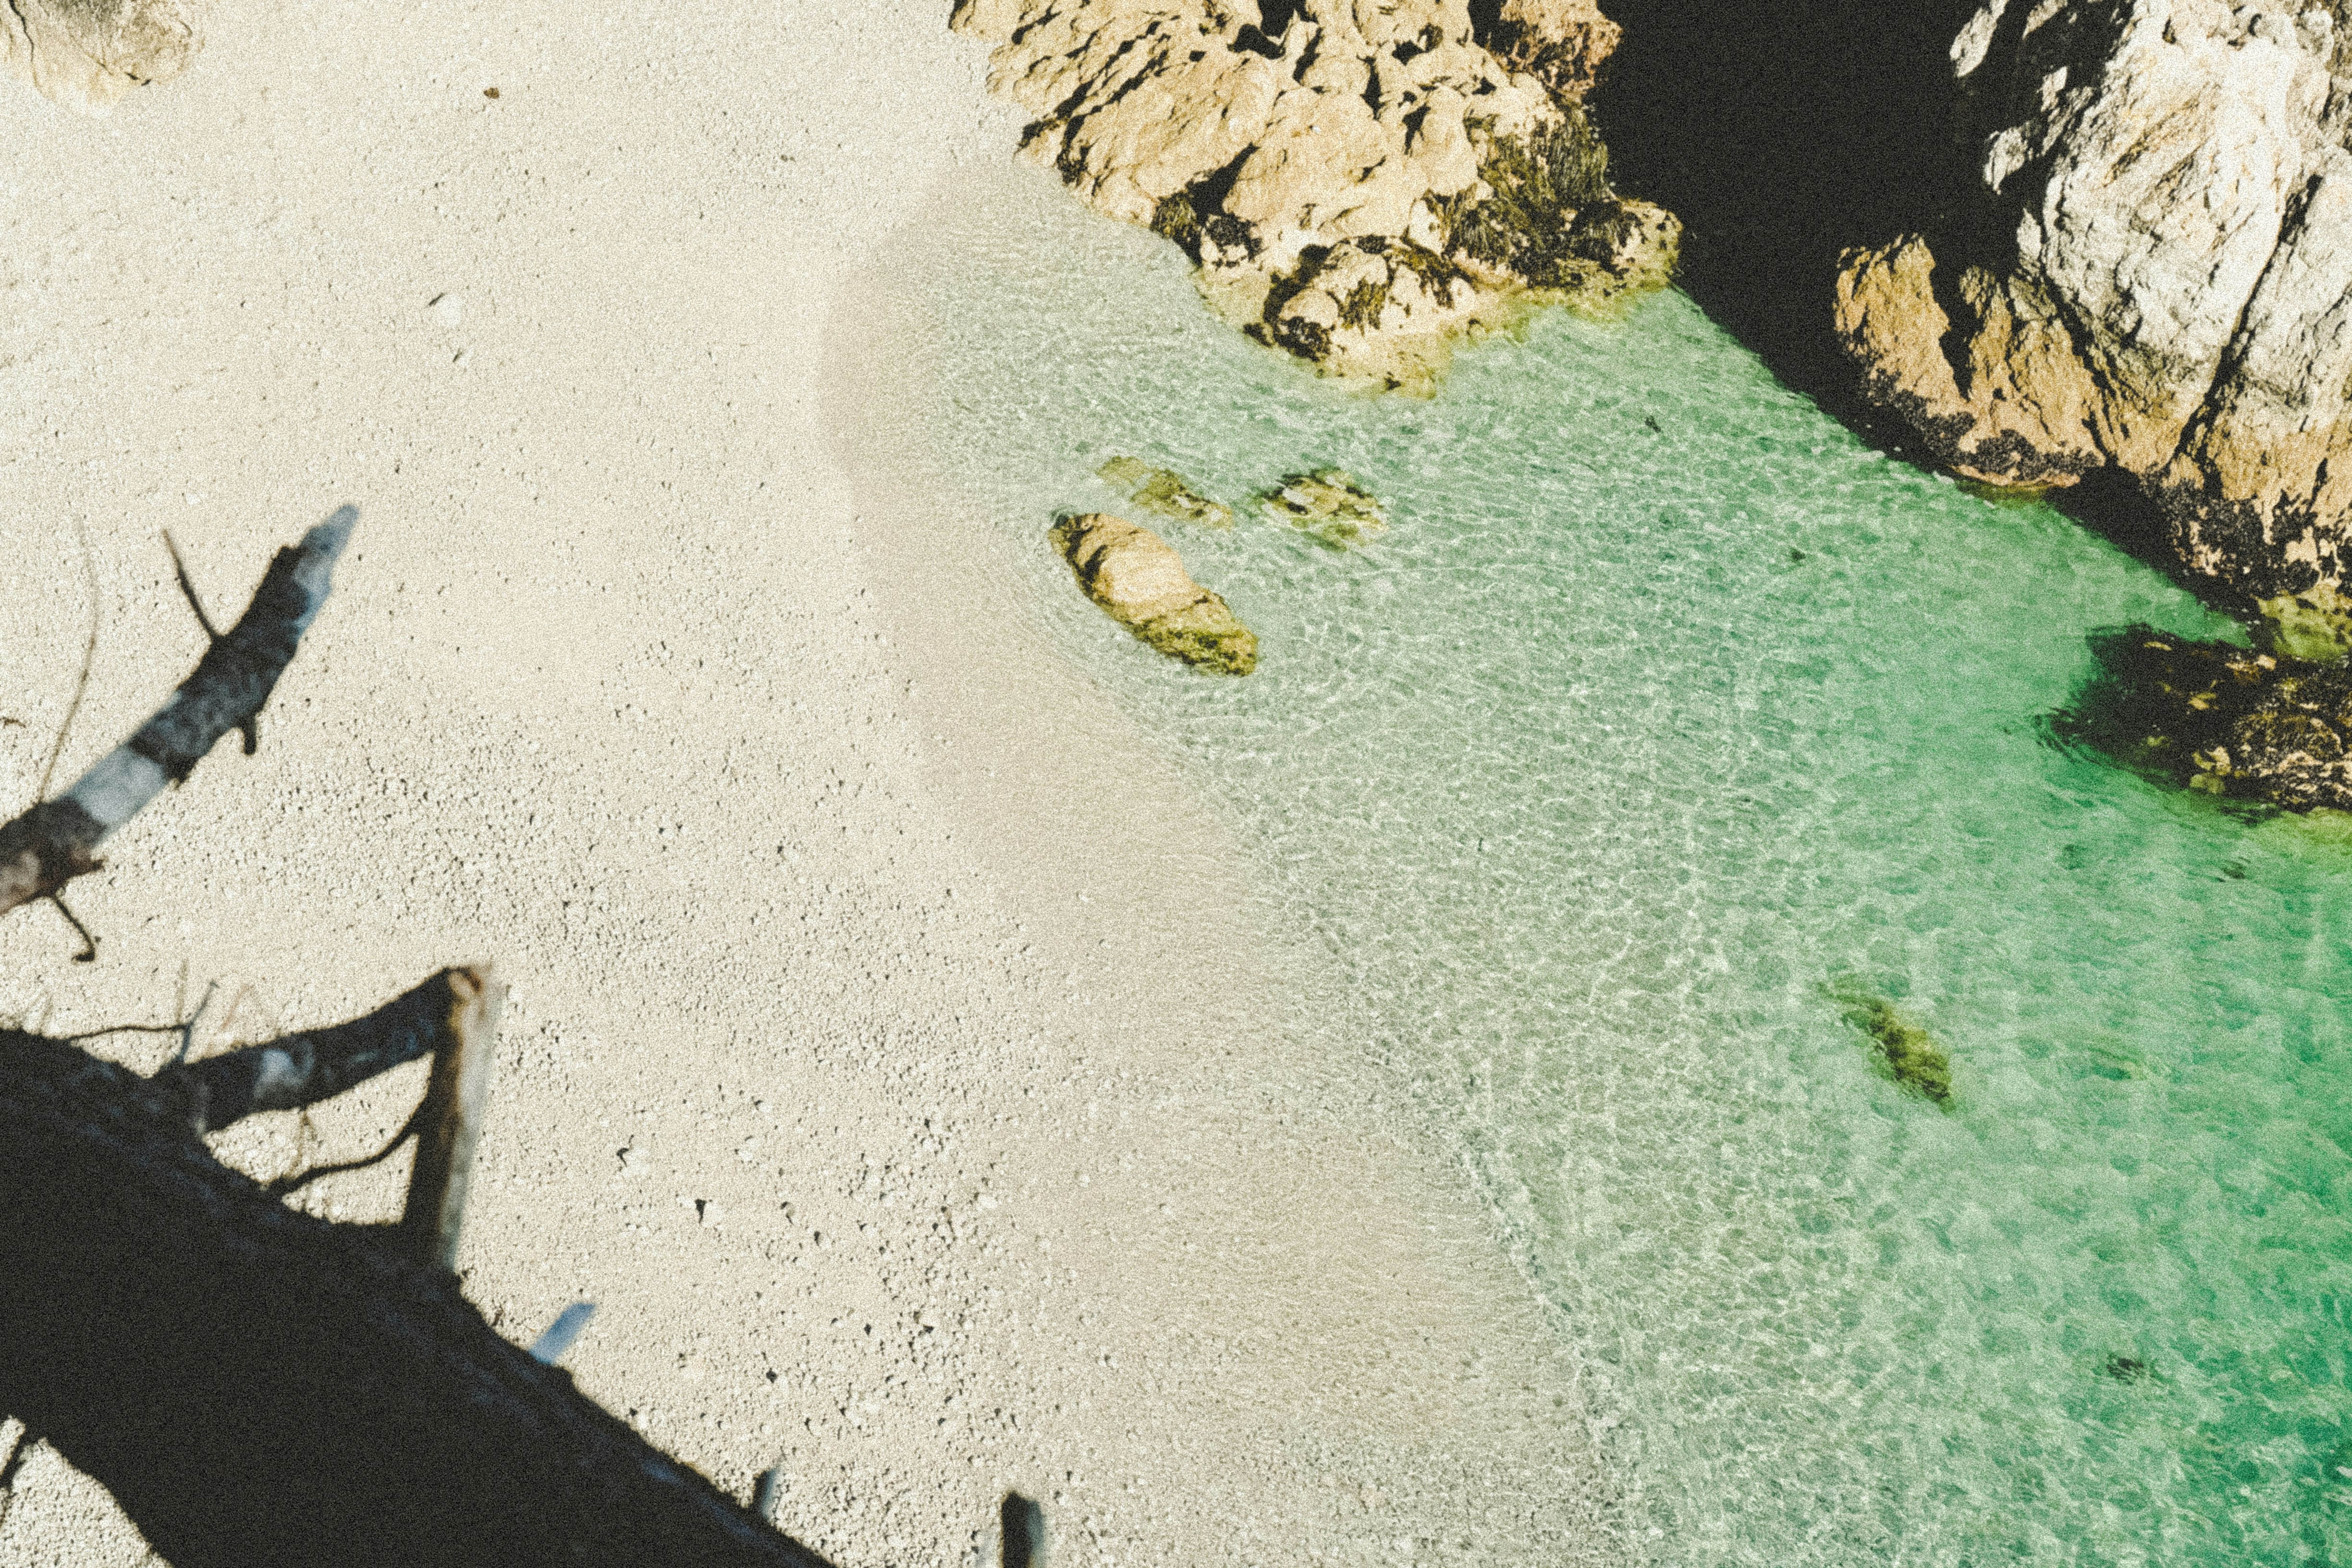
[[2019, 408], [1325, 180], [1139, 579], [86, 53]]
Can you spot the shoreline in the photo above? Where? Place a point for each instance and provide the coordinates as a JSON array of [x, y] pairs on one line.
[[1155, 913], [796, 1081]]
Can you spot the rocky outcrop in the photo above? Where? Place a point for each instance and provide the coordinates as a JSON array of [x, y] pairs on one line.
[[1134, 573], [1163, 491], [2152, 274], [2225, 719], [1329, 505], [1361, 182], [86, 53]]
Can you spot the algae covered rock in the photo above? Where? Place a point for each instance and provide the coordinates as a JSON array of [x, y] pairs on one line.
[[1331, 504], [1905, 1053], [1134, 574], [1544, 210], [1163, 491], [2225, 719]]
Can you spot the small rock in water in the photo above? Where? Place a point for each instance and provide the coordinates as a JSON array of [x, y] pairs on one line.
[[1163, 491], [2125, 1368], [1330, 504], [1134, 573], [1907, 1053]]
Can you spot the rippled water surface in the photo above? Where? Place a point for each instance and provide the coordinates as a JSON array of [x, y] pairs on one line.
[[1664, 705]]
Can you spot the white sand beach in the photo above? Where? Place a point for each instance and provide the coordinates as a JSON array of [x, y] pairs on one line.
[[903, 1052]]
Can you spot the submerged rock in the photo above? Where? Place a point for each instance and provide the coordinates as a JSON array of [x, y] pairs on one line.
[[2225, 719], [1133, 572], [1163, 491], [1359, 183], [87, 54], [1330, 504], [2153, 272], [1905, 1053]]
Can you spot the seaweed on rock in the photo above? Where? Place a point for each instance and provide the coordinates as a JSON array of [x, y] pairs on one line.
[[1439, 276], [1539, 187], [1341, 303], [1905, 1052], [2227, 720], [1176, 218], [1360, 310], [1330, 506]]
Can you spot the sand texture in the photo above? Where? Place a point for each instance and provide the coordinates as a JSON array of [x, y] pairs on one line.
[[901, 1052]]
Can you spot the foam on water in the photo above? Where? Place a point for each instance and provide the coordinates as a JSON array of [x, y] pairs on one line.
[[1664, 705]]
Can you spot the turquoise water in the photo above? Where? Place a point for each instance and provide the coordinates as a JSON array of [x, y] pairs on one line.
[[1663, 704]]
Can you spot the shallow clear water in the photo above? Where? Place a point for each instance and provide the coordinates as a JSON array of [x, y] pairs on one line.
[[1664, 704]]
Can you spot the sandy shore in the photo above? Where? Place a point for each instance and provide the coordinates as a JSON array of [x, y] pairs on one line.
[[903, 1052]]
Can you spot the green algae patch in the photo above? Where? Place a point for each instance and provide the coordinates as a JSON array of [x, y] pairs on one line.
[[1905, 1052], [1329, 505], [1164, 493], [1206, 635]]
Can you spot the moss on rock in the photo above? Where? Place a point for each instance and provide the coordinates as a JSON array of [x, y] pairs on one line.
[[1905, 1052], [1164, 493], [1330, 505], [2219, 719]]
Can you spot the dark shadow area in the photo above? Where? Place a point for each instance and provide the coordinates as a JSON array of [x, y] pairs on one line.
[[1782, 132], [2111, 504]]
